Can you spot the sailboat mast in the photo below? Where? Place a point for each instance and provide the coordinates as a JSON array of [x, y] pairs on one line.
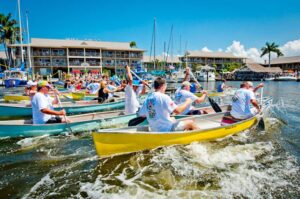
[[21, 39], [28, 41], [154, 40]]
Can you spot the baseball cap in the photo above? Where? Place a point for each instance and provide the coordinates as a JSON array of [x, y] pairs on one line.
[[250, 84], [186, 83], [44, 83], [136, 82], [31, 83]]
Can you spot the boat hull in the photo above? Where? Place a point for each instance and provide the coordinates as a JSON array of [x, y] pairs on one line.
[[112, 143], [30, 130], [12, 110]]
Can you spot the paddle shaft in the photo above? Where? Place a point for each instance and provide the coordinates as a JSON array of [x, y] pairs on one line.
[[65, 117], [139, 78]]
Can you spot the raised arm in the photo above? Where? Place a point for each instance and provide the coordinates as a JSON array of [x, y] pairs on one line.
[[258, 87], [180, 108], [187, 75], [129, 75]]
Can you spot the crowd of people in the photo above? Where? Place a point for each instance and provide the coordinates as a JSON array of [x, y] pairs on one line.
[[158, 107]]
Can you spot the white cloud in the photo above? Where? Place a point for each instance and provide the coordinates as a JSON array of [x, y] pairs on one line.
[[291, 48], [205, 49], [238, 49]]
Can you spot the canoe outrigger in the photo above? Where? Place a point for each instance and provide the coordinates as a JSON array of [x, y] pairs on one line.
[[132, 139]]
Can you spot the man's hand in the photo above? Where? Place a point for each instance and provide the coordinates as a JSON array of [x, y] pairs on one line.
[[260, 85], [56, 92], [204, 92], [62, 112]]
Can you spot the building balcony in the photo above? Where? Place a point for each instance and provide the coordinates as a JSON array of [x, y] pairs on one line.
[[42, 64], [92, 54], [41, 53], [78, 54]]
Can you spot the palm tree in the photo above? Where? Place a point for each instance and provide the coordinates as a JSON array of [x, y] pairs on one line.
[[269, 48], [133, 44], [9, 34]]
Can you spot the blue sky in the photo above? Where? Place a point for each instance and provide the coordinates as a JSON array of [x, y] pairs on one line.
[[214, 24]]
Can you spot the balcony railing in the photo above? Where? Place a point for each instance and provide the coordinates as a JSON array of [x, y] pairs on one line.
[[37, 63], [38, 53], [92, 54], [76, 53]]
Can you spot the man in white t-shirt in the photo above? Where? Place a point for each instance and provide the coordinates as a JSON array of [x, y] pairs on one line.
[[132, 91], [241, 102], [42, 106], [158, 108], [93, 87], [183, 93]]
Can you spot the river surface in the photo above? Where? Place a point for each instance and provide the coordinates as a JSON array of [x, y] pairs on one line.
[[252, 164]]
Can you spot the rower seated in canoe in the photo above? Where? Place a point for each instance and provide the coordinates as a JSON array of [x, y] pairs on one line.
[[158, 108], [241, 101], [42, 106], [183, 93]]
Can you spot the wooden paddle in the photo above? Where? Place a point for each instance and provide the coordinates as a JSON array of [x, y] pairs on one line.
[[136, 121], [65, 117], [261, 122], [212, 102]]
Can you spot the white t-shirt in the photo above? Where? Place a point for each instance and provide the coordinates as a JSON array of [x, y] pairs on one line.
[[241, 103], [131, 102], [93, 88], [39, 102], [158, 108], [111, 88], [181, 96]]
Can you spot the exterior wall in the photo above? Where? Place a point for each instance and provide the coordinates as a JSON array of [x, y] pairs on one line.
[[249, 76], [48, 60], [218, 62], [287, 66]]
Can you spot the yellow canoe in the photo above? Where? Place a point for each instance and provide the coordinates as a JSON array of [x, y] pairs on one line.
[[132, 139], [9, 98], [82, 95], [214, 94]]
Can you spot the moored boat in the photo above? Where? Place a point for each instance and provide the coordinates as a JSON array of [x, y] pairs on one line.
[[132, 139], [79, 123]]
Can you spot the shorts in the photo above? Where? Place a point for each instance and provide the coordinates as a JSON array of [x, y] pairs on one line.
[[54, 120], [194, 112], [178, 126]]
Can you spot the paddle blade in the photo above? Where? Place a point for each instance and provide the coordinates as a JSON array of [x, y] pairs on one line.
[[136, 121], [261, 124], [214, 105]]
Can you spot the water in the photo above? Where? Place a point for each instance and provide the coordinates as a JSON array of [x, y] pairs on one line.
[[253, 164]]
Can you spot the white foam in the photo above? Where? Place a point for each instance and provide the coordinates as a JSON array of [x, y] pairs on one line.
[[46, 181]]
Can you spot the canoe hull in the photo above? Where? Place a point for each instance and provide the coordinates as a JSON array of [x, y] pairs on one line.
[[29, 130], [8, 111], [111, 143]]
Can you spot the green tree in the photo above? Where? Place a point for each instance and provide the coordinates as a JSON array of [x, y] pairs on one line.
[[269, 48], [132, 44], [9, 34]]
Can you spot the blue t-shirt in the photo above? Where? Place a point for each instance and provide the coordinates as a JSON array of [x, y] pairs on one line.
[[193, 88]]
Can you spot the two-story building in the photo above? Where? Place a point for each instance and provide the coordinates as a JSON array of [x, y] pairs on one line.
[[48, 56], [215, 59]]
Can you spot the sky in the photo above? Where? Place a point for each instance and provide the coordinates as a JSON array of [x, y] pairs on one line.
[[240, 27]]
